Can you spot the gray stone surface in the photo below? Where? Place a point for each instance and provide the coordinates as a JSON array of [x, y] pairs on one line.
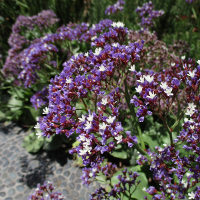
[[20, 172]]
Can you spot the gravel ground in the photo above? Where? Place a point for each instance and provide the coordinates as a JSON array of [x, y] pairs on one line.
[[20, 171]]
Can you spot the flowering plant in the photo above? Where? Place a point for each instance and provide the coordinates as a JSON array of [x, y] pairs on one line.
[[129, 102]]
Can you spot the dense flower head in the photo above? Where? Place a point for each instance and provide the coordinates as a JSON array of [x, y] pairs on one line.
[[118, 6], [156, 55], [18, 41], [96, 124], [161, 88], [46, 192], [26, 64], [147, 14], [40, 98]]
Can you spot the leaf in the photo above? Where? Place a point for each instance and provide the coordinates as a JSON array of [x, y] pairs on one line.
[[120, 154], [52, 143], [101, 178], [14, 103], [32, 143], [152, 143]]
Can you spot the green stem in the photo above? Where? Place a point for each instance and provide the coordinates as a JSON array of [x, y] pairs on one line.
[[177, 121], [131, 108], [168, 130], [84, 104]]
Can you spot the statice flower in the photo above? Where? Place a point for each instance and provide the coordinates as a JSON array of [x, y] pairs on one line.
[[46, 192], [159, 88], [147, 14], [40, 99], [18, 41], [156, 55], [41, 52], [118, 6], [79, 104]]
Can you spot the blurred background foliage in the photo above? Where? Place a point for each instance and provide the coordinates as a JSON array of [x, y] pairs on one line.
[[180, 21]]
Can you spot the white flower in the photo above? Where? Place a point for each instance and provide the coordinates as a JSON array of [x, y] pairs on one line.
[[139, 89], [82, 138], [39, 133], [87, 142], [192, 73], [88, 125], [102, 68], [184, 183], [104, 101], [151, 95], [85, 150], [190, 109], [37, 126], [97, 51], [102, 126], [119, 139], [86, 146], [192, 127], [144, 189], [141, 80], [132, 69], [191, 195], [90, 117], [82, 118], [198, 62], [110, 119], [86, 54], [27, 59], [163, 85], [115, 44], [45, 111], [45, 45], [149, 78], [93, 38], [183, 57], [188, 120], [172, 64], [68, 80], [168, 91], [117, 24]]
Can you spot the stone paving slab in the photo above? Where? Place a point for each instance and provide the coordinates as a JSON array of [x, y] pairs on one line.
[[20, 171]]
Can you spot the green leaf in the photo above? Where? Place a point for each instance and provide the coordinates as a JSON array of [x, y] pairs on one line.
[[32, 143], [52, 143], [120, 154], [14, 104], [101, 178]]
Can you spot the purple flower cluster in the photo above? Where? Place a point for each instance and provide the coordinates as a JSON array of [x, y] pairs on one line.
[[18, 40], [118, 6], [29, 61], [159, 89], [40, 98], [147, 14], [156, 54], [176, 172], [79, 104], [46, 192], [127, 184]]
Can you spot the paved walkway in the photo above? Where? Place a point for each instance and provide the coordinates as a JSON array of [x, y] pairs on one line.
[[20, 171]]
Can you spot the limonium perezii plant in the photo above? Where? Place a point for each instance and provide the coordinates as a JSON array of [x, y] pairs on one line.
[[93, 92], [105, 94]]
